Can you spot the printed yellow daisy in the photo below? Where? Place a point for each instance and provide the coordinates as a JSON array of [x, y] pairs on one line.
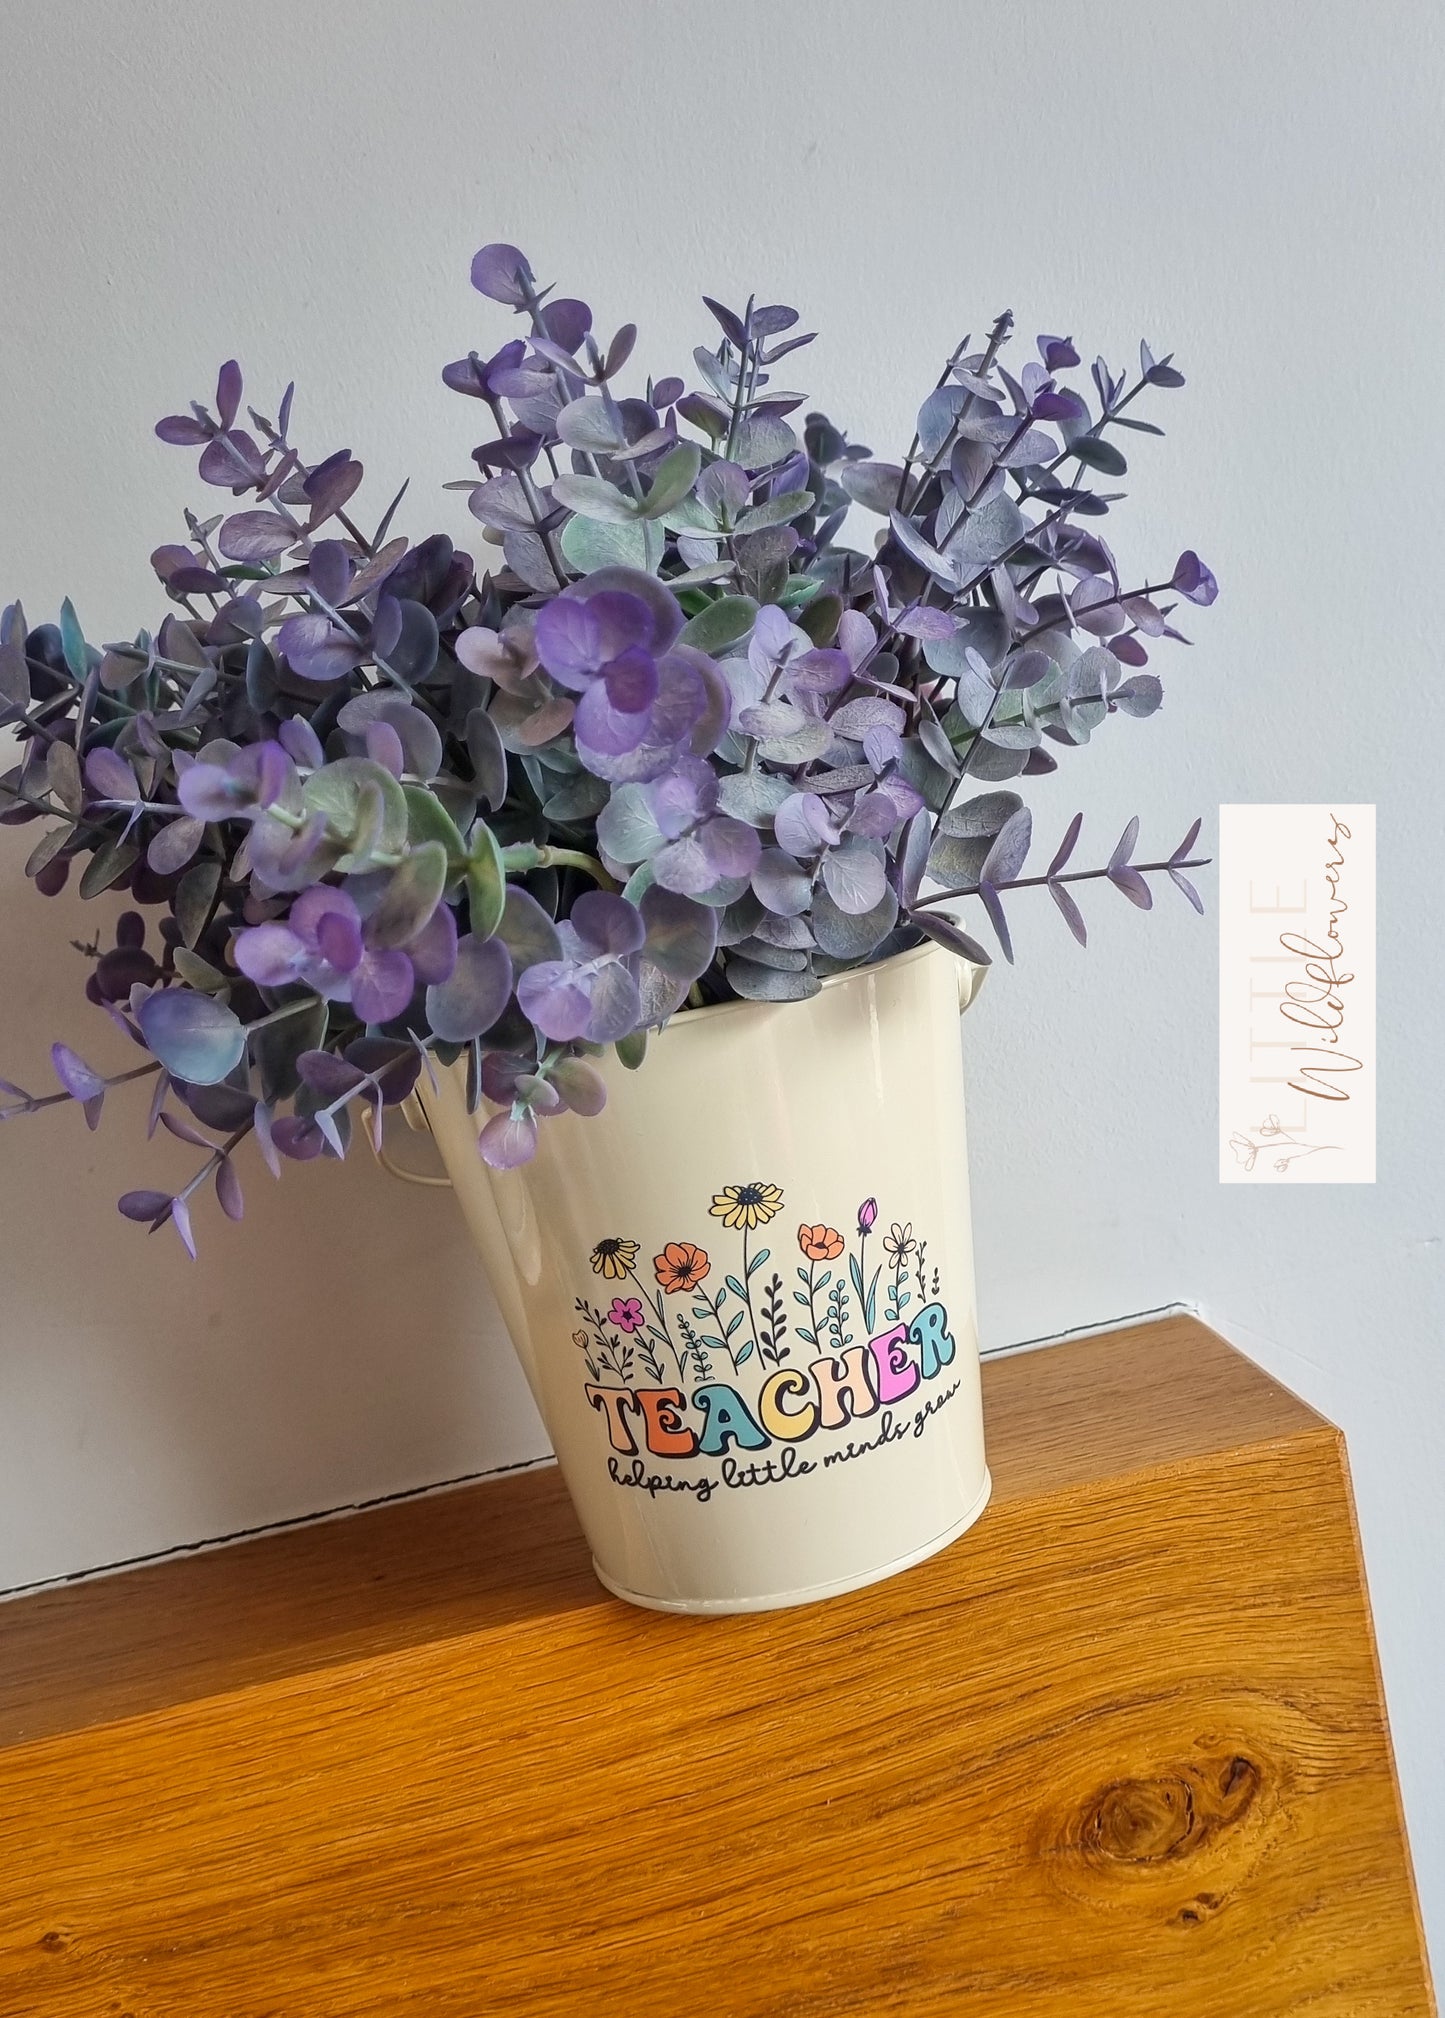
[[614, 1259], [747, 1205]]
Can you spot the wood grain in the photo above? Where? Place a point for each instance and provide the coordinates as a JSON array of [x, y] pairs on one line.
[[1121, 1750]]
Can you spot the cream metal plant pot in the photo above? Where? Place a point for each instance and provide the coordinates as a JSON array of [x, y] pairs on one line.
[[743, 1294]]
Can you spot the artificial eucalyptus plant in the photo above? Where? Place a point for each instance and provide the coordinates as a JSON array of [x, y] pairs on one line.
[[671, 740]]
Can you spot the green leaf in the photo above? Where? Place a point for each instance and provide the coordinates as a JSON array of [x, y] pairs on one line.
[[62, 775], [107, 866], [14, 672], [735, 1286], [340, 791], [594, 498], [757, 1261], [674, 478], [199, 973], [47, 848], [195, 1037], [775, 511], [276, 1047], [724, 622], [410, 897], [589, 544], [194, 898], [72, 641], [632, 1050], [427, 819], [1095, 453], [819, 618], [763, 438], [486, 882]]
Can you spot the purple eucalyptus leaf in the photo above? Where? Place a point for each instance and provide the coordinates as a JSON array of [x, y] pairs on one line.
[[1125, 845], [1183, 883], [182, 430], [780, 885], [913, 858], [947, 932], [580, 1085], [175, 844], [109, 776], [296, 1136], [1139, 696], [681, 935], [996, 918], [1069, 911], [605, 924], [255, 537], [527, 931], [614, 1007], [1010, 850], [316, 650], [553, 996], [1133, 886], [180, 1216], [145, 1207], [232, 461], [183, 1131], [78, 1079], [433, 950], [502, 272], [1193, 579], [871, 711], [382, 984], [802, 825], [474, 995], [854, 878], [383, 746], [229, 1195], [508, 1140], [328, 1076], [271, 955]]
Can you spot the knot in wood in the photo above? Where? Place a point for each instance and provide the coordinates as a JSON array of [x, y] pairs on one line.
[[1167, 1815]]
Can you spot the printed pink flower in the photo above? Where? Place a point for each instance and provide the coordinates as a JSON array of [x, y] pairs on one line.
[[626, 1313], [867, 1214]]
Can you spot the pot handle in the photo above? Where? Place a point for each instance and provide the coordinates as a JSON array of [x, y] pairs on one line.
[[970, 980], [415, 1119]]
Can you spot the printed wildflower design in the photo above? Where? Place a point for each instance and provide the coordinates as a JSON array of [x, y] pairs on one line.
[[899, 1245], [716, 1338], [898, 1242], [1246, 1150], [680, 1267], [747, 1205], [614, 1259]]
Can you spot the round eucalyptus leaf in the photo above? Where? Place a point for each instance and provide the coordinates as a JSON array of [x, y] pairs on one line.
[[194, 1036]]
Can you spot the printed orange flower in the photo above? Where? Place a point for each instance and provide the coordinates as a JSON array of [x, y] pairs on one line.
[[680, 1266], [820, 1243]]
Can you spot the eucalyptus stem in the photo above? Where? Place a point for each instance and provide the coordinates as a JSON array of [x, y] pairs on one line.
[[1069, 876]]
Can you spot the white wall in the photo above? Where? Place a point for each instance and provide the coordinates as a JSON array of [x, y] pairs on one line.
[[1259, 186]]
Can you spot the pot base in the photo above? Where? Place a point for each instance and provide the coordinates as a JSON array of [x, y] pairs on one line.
[[814, 1593]]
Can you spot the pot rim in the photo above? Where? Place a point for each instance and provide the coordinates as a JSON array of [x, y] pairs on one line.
[[691, 1018]]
